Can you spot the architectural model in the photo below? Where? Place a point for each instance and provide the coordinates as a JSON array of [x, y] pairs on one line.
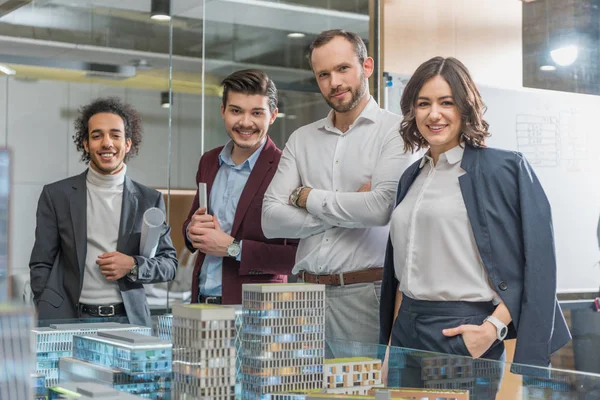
[[56, 341], [420, 394], [16, 357], [283, 338], [203, 352], [135, 363], [88, 391], [355, 375]]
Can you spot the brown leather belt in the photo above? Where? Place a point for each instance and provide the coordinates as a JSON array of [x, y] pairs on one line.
[[348, 278]]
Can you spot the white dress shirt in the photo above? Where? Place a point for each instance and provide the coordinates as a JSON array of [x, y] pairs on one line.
[[341, 230], [435, 253]]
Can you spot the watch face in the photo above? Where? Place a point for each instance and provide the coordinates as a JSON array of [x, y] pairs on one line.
[[233, 249], [503, 332]]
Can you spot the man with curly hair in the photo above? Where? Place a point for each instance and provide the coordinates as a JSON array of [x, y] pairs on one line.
[[85, 261]]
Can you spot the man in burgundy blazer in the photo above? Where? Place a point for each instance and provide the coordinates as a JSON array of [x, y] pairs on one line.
[[233, 248]]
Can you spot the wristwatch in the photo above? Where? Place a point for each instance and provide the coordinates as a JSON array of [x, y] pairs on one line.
[[295, 196], [133, 272], [501, 329], [233, 250]]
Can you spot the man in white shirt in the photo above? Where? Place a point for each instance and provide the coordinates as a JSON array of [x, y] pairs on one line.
[[335, 189]]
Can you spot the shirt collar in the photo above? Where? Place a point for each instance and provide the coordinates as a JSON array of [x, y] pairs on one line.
[[225, 156], [369, 113], [452, 156]]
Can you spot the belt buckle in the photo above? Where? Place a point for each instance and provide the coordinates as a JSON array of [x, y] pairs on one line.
[[208, 299], [109, 314]]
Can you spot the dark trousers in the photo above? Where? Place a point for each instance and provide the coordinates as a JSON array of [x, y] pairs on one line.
[[419, 326]]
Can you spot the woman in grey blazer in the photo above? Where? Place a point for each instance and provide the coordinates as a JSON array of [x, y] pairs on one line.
[[470, 260]]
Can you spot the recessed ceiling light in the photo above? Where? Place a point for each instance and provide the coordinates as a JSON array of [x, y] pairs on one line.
[[7, 71], [296, 35], [547, 68]]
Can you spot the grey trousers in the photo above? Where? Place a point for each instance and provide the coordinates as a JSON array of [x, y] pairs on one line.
[[351, 314]]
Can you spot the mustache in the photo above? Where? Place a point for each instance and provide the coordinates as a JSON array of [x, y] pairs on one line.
[[339, 90]]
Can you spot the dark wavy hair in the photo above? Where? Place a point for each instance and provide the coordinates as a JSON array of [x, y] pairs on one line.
[[112, 105], [466, 97], [250, 81]]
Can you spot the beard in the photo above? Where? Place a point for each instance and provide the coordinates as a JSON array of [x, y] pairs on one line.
[[356, 95]]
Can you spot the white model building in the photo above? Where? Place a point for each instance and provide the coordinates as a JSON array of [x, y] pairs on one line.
[[420, 394], [283, 338], [203, 352], [357, 375], [16, 357], [56, 341], [344, 397], [88, 391]]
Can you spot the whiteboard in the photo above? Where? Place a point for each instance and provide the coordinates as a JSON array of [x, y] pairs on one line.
[[559, 134]]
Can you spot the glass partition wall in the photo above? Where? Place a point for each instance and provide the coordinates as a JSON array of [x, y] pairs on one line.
[[533, 62]]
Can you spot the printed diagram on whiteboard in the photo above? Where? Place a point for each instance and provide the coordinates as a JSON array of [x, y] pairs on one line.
[[552, 141]]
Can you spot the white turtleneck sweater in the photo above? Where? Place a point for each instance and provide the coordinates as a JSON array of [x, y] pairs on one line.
[[104, 200]]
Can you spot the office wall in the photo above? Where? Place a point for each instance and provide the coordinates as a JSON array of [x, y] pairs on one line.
[[37, 125], [484, 34]]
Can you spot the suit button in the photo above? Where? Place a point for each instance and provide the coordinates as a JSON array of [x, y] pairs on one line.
[[503, 286]]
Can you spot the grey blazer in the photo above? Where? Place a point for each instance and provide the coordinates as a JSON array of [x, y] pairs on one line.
[[512, 224], [57, 261]]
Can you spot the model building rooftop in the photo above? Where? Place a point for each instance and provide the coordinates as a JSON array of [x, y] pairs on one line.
[[204, 312], [282, 287]]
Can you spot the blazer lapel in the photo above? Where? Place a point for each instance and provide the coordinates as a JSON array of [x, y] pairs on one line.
[[129, 210], [264, 163], [405, 185], [469, 183], [78, 208]]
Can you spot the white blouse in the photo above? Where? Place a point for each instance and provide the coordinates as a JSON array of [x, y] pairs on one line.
[[435, 254]]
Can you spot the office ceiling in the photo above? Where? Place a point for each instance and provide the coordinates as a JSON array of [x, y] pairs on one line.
[[238, 34]]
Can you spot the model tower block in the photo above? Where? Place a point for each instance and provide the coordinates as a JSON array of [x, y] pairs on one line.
[[16, 357], [283, 338], [203, 352], [355, 375]]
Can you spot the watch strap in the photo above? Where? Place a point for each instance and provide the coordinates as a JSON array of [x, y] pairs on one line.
[[501, 328]]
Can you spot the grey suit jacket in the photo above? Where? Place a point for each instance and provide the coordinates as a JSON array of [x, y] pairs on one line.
[[57, 261], [512, 224]]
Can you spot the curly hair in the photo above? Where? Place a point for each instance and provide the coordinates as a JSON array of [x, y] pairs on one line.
[[466, 96], [113, 105]]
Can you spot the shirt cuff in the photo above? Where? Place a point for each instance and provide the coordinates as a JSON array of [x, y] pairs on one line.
[[239, 256], [187, 236], [315, 202]]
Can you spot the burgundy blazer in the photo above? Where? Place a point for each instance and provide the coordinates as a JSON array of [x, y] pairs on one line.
[[263, 260]]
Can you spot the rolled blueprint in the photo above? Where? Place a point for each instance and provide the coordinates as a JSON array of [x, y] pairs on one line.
[[202, 197], [151, 227]]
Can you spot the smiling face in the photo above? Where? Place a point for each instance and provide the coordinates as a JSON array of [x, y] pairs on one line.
[[247, 118], [106, 143], [340, 76], [437, 116]]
